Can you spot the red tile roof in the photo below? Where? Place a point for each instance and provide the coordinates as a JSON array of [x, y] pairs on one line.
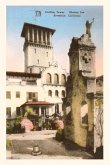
[[23, 74], [37, 103]]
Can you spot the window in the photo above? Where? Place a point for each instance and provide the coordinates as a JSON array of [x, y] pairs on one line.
[[17, 94], [18, 112], [30, 70], [84, 113], [44, 36], [31, 82], [8, 112], [63, 79], [35, 96], [56, 109], [63, 93], [43, 111], [8, 95], [48, 78], [47, 54], [56, 93], [38, 61], [49, 93], [56, 79], [47, 111], [29, 95], [36, 110], [32, 96]]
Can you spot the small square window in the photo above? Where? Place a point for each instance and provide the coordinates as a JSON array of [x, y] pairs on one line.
[[49, 93], [17, 94], [8, 95], [56, 93], [30, 70]]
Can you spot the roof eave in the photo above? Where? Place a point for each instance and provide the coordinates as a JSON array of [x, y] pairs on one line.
[[28, 24]]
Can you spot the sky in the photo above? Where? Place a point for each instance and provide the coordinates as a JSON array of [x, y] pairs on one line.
[[66, 28]]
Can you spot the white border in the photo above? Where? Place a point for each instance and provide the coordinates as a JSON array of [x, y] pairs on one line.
[[54, 2], [106, 57]]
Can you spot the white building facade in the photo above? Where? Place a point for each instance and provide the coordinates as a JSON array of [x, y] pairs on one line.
[[42, 85]]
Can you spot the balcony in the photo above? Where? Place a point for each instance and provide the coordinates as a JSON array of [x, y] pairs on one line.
[[31, 82]]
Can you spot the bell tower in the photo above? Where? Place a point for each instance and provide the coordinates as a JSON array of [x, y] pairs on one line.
[[38, 50]]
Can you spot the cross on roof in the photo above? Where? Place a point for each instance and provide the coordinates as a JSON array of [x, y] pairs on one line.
[[86, 58]]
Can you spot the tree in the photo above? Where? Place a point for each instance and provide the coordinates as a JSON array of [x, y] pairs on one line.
[[98, 127], [28, 111], [99, 119]]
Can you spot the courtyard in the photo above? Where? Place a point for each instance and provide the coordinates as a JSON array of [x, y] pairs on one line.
[[22, 147]]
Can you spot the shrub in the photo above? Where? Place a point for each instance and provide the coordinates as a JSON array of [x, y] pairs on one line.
[[47, 124], [59, 123], [8, 127], [28, 111], [60, 135], [99, 153], [17, 126], [8, 144]]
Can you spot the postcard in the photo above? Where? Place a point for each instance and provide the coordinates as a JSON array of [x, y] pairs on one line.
[[54, 82]]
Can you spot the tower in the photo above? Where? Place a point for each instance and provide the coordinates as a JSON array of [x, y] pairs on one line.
[[38, 50], [79, 122]]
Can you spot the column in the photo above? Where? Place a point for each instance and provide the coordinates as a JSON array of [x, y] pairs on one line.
[[37, 35], [33, 35], [46, 38], [28, 36], [30, 33], [41, 37], [39, 111], [50, 38]]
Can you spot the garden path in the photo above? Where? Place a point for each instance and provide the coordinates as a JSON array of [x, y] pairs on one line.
[[22, 146]]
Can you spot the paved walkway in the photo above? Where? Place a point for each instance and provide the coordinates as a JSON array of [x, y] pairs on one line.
[[22, 146]]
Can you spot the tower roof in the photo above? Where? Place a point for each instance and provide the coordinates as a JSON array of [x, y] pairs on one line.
[[34, 26]]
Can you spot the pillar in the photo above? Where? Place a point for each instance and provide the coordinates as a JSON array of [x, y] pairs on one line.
[[50, 38], [81, 70], [41, 37], [39, 111], [46, 38], [37, 36], [28, 36], [33, 35]]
